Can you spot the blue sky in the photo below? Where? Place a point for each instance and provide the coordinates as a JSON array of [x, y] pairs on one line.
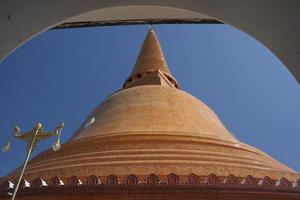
[[62, 75]]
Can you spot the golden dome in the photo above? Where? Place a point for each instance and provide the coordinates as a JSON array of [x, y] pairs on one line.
[[152, 127], [153, 109], [155, 129]]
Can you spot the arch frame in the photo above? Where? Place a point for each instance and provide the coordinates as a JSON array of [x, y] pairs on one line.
[[273, 23]]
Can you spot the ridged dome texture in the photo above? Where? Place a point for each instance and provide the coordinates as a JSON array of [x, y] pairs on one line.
[[154, 128]]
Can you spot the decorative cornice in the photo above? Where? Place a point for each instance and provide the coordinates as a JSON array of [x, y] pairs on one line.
[[152, 181]]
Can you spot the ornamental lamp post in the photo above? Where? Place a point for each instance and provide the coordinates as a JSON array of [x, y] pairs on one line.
[[32, 138]]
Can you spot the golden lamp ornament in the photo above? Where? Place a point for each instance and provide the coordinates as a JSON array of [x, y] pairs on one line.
[[32, 138]]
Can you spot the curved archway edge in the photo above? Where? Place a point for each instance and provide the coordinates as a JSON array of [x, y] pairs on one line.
[[274, 23]]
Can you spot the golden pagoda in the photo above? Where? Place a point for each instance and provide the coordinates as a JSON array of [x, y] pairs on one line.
[[151, 140]]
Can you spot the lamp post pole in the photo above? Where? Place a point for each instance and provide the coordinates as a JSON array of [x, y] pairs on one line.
[[37, 128], [32, 138]]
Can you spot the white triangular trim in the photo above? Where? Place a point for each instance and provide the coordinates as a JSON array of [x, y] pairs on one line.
[[44, 183], [26, 183], [10, 185], [61, 182]]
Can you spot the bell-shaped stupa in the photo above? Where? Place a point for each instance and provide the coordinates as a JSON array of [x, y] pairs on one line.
[[151, 140]]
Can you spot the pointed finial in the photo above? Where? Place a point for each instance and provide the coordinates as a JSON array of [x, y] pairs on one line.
[[151, 56], [151, 59]]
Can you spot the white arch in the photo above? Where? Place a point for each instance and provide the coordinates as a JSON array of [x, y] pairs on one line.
[[272, 22]]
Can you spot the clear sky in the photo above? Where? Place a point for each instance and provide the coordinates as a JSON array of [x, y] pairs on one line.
[[62, 75]]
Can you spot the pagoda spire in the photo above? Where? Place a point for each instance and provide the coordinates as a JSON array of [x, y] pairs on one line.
[[150, 60]]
